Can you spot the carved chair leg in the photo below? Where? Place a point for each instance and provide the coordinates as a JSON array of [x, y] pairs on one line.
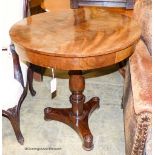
[[37, 72], [13, 114], [30, 81], [15, 121], [18, 73]]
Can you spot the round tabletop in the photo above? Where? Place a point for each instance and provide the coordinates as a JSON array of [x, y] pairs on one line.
[[75, 39]]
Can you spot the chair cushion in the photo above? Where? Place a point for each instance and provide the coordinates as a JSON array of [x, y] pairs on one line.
[[141, 78]]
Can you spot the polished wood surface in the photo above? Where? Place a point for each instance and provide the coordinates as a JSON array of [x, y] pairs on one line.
[[75, 39], [76, 116]]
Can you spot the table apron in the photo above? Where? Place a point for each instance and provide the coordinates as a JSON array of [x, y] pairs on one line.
[[76, 63]]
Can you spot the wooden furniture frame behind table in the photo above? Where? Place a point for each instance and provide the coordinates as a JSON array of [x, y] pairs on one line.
[[128, 4]]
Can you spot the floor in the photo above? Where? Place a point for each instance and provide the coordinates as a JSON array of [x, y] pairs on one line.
[[55, 138]]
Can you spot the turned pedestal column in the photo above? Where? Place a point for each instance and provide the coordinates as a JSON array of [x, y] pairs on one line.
[[77, 116], [75, 40]]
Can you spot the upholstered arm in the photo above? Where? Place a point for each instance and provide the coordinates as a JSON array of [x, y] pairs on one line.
[[138, 86], [141, 78], [143, 15]]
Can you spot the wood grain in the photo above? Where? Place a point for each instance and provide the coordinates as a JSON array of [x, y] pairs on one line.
[[76, 39]]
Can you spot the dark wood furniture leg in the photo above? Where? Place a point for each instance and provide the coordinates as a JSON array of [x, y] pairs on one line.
[[30, 81], [13, 114], [37, 72], [77, 116]]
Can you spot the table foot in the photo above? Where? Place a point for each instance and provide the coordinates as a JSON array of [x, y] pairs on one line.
[[78, 123]]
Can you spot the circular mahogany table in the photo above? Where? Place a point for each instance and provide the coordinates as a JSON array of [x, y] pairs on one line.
[[75, 40]]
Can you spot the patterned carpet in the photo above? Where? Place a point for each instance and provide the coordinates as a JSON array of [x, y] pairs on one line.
[[55, 138]]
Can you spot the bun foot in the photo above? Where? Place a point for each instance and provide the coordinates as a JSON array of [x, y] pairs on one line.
[[79, 124], [77, 116], [88, 143]]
